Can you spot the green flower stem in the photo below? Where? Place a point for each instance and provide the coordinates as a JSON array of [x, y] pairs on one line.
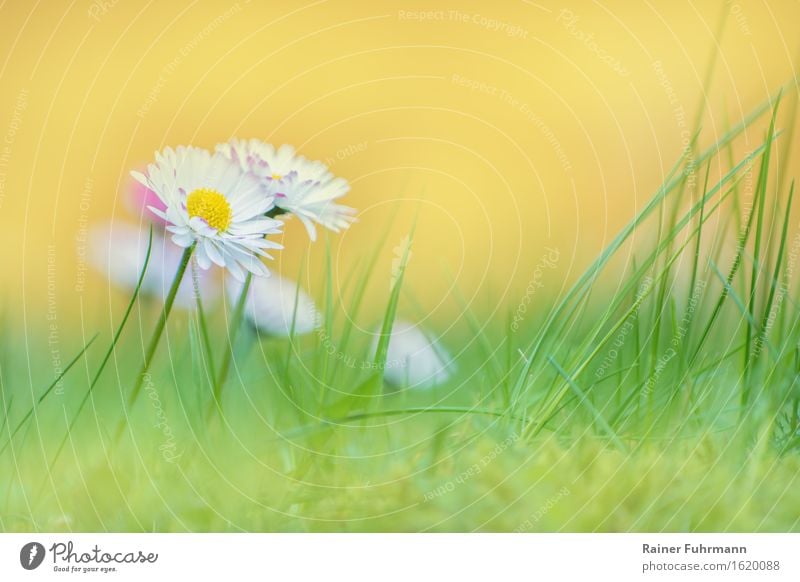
[[161, 324], [235, 325], [202, 323]]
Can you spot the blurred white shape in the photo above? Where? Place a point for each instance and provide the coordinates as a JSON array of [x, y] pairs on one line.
[[118, 250], [270, 306], [414, 360]]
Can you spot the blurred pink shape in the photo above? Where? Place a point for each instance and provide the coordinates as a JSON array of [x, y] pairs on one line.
[[139, 197]]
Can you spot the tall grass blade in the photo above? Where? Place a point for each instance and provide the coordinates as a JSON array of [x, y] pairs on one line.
[[760, 196], [109, 352], [46, 392]]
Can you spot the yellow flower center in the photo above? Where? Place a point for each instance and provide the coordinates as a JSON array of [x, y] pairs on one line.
[[276, 176], [211, 206]]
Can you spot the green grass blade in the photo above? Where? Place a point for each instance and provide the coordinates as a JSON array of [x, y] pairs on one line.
[[776, 272], [358, 297], [760, 196], [235, 325], [673, 179], [676, 229], [202, 324], [584, 401], [108, 353], [46, 392], [372, 386]]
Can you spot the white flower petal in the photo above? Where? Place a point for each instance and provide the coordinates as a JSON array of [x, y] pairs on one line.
[[413, 359], [183, 240], [303, 187], [275, 303]]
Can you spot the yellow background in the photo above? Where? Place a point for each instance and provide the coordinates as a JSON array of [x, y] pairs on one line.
[[501, 141]]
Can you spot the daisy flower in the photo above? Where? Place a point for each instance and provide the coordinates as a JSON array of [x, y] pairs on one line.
[[413, 359], [213, 204], [302, 187], [274, 303], [118, 251]]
